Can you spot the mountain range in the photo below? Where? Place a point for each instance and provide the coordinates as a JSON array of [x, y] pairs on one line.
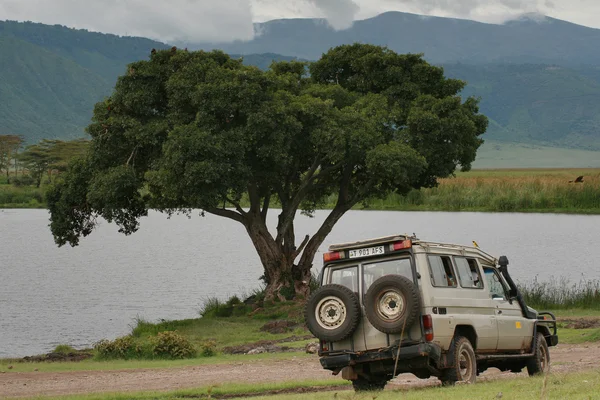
[[530, 39], [538, 78]]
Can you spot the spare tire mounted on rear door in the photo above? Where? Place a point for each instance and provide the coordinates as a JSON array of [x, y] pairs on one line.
[[332, 312], [392, 304]]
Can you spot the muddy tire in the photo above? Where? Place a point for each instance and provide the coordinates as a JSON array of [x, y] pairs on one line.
[[540, 362], [463, 363], [392, 304], [368, 385], [332, 313]]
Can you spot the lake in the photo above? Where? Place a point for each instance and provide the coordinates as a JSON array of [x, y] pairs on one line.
[[77, 296]]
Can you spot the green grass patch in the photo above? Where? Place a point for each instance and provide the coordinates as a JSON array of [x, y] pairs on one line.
[[504, 191], [110, 365], [216, 391], [558, 294], [576, 385], [21, 196]]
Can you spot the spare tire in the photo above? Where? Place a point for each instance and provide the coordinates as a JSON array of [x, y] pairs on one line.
[[332, 312], [392, 304]]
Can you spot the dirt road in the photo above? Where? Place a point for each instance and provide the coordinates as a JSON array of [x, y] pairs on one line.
[[20, 384]]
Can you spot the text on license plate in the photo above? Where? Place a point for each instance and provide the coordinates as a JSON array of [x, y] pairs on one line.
[[371, 251]]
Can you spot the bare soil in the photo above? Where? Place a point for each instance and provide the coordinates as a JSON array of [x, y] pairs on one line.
[[565, 358]]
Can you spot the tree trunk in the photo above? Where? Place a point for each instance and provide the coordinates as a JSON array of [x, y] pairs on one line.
[[285, 279]]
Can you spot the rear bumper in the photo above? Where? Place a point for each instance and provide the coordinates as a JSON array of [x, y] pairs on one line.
[[421, 350]]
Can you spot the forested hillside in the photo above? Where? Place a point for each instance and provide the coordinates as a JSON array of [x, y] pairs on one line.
[[51, 76], [534, 39]]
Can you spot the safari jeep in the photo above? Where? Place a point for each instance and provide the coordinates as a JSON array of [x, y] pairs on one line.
[[399, 304]]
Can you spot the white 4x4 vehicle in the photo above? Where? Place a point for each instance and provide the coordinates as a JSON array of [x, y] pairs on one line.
[[398, 304]]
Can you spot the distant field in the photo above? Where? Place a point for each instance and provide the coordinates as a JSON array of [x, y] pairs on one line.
[[513, 190], [519, 155]]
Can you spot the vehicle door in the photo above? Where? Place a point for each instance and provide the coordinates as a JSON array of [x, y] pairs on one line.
[[373, 270], [479, 308], [511, 325]]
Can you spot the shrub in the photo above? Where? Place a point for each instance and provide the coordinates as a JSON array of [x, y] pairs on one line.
[[23, 180], [64, 349], [121, 347], [172, 345], [208, 348]]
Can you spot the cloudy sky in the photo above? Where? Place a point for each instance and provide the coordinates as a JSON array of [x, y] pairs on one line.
[[227, 20]]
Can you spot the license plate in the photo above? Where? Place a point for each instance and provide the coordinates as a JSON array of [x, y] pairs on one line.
[[370, 251]]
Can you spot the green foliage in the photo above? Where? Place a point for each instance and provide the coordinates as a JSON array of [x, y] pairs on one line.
[[122, 347], [64, 349], [196, 130], [560, 294], [172, 345], [505, 190], [213, 307], [165, 344], [208, 348]]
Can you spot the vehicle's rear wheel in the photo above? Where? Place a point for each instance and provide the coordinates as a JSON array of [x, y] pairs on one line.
[[392, 304], [371, 383], [332, 312], [462, 358], [540, 362]]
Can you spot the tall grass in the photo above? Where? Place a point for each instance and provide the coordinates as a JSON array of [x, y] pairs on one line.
[[516, 190], [21, 197], [561, 294]]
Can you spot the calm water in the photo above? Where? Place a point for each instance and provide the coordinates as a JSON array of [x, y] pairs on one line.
[[76, 296]]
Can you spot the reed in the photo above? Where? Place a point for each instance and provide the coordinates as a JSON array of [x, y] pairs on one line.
[[561, 294], [505, 191]]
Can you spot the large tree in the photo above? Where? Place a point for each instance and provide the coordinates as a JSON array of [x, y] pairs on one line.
[[197, 130]]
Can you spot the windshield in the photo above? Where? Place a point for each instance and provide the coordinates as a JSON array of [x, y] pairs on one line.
[[375, 270]]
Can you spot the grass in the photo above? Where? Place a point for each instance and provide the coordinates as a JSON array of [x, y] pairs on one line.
[[517, 190], [560, 294], [502, 190], [217, 391], [110, 365], [575, 385], [21, 196]]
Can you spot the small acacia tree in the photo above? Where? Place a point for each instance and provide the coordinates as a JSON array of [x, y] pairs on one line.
[[197, 130]]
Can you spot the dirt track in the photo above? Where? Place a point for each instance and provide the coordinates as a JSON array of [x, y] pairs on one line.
[[23, 384]]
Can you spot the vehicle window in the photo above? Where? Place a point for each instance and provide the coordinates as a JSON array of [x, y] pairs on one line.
[[374, 271], [494, 284], [346, 277], [440, 269], [468, 273]]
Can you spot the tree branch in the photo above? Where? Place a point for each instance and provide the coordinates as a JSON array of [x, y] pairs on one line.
[[265, 207], [222, 212], [254, 198], [288, 213], [301, 247], [236, 205]]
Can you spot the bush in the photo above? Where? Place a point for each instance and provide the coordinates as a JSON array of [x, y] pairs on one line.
[[23, 180], [64, 349], [172, 345], [121, 347], [214, 307], [208, 348]]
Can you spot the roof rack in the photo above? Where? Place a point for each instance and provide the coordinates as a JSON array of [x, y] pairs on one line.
[[371, 242]]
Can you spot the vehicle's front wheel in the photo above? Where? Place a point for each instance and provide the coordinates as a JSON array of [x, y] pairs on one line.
[[373, 383], [463, 364], [540, 362]]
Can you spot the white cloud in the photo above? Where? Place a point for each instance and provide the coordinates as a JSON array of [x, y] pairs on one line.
[[228, 20], [194, 20]]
